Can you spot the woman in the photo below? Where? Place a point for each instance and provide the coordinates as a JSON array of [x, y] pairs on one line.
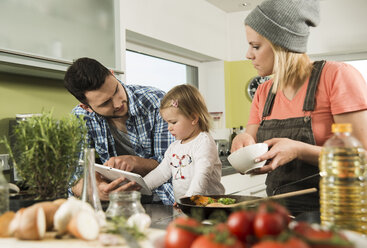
[[294, 111]]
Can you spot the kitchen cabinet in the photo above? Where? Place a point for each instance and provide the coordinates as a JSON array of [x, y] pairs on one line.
[[42, 38]]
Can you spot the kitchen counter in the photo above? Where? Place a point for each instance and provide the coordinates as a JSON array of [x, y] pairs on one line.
[[154, 240], [161, 216]]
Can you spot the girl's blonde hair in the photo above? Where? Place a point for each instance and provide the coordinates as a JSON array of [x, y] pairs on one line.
[[290, 69], [190, 102]]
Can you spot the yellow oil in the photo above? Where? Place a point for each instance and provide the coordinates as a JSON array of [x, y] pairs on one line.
[[343, 188]]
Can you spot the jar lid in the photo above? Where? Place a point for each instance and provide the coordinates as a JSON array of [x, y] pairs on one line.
[[341, 127], [125, 195]]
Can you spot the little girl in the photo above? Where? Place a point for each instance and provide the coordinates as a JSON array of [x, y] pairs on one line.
[[192, 160]]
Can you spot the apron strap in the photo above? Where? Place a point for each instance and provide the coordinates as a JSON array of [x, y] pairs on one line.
[[269, 102], [309, 103]]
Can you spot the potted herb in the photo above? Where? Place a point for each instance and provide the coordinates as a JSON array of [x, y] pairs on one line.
[[45, 153]]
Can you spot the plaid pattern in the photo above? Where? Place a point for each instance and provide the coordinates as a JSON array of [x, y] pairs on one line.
[[146, 130]]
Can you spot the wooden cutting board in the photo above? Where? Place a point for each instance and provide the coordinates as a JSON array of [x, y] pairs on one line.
[[154, 236]]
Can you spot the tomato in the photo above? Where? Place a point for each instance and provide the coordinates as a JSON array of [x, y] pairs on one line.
[[275, 207], [290, 243], [241, 224], [268, 224], [269, 244], [318, 237], [177, 236], [296, 243], [207, 241], [221, 227]]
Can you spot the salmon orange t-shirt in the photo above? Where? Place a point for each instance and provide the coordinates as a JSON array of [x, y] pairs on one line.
[[341, 89]]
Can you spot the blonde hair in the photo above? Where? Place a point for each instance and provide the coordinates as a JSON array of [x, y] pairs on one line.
[[290, 69], [190, 102]]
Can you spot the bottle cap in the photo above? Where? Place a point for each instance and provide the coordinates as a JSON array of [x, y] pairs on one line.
[[341, 127]]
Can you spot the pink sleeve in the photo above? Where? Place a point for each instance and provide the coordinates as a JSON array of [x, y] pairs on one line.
[[347, 88]]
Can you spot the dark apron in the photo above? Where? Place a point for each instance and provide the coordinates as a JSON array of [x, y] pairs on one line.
[[297, 174]]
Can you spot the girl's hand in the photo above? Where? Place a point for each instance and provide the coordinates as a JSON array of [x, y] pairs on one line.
[[282, 151], [241, 140]]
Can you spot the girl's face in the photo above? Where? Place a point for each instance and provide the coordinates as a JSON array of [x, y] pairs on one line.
[[260, 52], [181, 127]]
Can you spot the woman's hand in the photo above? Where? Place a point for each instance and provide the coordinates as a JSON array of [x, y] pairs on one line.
[[282, 151], [241, 140]]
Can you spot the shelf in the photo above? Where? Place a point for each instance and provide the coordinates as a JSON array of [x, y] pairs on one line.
[[16, 62]]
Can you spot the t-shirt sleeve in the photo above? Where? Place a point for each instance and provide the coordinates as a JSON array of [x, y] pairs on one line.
[[161, 174], [347, 89]]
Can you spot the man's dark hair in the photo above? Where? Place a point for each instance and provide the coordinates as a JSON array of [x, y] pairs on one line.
[[85, 74]]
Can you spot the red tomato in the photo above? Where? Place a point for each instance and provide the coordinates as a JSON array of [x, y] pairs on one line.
[[179, 237], [296, 243], [222, 227], [319, 238], [275, 207], [269, 244], [291, 243], [268, 224], [241, 224], [207, 241]]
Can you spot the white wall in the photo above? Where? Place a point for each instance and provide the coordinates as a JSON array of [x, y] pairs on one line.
[[192, 24], [342, 28]]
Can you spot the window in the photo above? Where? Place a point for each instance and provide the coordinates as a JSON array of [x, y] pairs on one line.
[[361, 66], [164, 74]]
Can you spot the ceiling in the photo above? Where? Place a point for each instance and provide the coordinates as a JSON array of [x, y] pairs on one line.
[[235, 5]]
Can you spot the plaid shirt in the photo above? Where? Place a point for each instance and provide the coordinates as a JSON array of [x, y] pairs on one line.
[[147, 131]]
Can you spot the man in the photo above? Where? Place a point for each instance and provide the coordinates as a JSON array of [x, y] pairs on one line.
[[123, 122]]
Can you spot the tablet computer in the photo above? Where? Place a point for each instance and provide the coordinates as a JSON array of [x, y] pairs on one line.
[[113, 173]]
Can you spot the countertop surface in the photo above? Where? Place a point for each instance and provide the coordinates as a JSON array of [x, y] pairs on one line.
[[161, 216]]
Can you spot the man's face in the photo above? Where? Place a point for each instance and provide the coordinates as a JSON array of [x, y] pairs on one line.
[[110, 100]]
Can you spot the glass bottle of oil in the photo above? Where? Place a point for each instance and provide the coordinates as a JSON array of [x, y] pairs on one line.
[[343, 184]]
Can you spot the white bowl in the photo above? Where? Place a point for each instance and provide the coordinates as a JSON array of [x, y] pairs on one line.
[[243, 160]]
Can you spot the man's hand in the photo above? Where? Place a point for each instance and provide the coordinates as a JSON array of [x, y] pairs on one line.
[[105, 188], [126, 162]]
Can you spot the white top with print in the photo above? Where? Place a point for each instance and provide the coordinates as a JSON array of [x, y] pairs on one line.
[[195, 168]]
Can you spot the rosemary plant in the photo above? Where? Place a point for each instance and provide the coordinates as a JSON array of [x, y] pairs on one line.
[[46, 153]]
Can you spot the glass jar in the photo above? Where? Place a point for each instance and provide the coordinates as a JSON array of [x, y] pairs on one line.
[[125, 203]]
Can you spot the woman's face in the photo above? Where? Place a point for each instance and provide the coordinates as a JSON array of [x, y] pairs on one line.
[[260, 52]]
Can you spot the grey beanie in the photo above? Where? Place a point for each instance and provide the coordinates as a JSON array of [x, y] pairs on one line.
[[285, 23]]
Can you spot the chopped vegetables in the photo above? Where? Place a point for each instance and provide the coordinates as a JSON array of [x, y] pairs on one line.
[[226, 201], [201, 200]]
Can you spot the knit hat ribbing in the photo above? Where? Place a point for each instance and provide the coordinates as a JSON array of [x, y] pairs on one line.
[[285, 22]]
